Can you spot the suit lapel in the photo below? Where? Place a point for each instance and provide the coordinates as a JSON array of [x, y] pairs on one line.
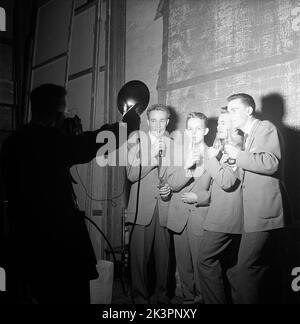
[[251, 135], [147, 151], [196, 180], [248, 146], [169, 156]]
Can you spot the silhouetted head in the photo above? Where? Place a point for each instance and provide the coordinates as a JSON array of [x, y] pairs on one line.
[[48, 104]]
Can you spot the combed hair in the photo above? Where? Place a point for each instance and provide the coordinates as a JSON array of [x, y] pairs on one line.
[[246, 99], [158, 107], [198, 115]]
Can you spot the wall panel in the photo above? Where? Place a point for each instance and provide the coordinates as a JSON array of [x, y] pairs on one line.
[[54, 72], [82, 42], [52, 30]]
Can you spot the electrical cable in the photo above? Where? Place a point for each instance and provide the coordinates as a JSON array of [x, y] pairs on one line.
[[97, 227], [111, 200], [114, 205], [109, 245], [135, 219]]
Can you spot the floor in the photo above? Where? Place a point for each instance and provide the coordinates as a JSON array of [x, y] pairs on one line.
[[121, 291], [122, 297]]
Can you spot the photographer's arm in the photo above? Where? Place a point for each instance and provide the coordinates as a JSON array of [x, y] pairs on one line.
[[133, 169], [83, 148]]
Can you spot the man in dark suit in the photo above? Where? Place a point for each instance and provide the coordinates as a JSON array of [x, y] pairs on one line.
[[264, 216], [50, 257]]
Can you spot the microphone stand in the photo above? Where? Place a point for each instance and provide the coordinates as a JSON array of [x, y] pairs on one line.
[[161, 180]]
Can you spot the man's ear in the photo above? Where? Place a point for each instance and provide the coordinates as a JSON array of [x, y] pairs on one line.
[[250, 111], [148, 123], [168, 121], [206, 131]]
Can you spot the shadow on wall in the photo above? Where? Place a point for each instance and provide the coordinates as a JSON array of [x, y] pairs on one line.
[[212, 126], [273, 108], [174, 120]]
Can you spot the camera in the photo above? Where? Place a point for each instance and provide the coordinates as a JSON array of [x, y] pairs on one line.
[[72, 126]]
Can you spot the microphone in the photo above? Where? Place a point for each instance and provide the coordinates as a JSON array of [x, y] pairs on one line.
[[227, 141], [160, 152], [161, 180]]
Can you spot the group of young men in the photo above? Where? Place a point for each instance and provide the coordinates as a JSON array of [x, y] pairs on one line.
[[222, 206]]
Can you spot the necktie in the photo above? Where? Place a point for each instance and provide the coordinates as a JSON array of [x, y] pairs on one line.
[[245, 141]]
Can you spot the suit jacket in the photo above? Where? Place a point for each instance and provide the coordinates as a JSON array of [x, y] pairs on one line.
[[225, 213], [149, 193], [261, 179], [179, 212]]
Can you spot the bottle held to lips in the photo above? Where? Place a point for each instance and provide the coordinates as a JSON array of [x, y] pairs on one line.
[[230, 161], [220, 144]]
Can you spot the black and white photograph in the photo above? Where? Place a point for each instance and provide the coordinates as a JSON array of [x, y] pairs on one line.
[[149, 154]]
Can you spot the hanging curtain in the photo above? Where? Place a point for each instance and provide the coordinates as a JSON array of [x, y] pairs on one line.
[[24, 28]]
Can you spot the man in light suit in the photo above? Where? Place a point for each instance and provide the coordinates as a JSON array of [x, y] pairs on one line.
[[188, 206], [223, 225], [260, 163], [146, 171]]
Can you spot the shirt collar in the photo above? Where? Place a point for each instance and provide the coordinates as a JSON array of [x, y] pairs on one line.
[[152, 138], [249, 127]]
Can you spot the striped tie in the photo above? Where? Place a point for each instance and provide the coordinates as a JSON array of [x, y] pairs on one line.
[[245, 141]]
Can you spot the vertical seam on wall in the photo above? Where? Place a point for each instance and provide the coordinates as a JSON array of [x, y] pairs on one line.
[[105, 116], [162, 93], [69, 43], [116, 78], [94, 94]]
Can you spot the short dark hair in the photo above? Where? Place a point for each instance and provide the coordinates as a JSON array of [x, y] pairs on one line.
[[158, 107], [198, 115], [45, 99], [246, 99]]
